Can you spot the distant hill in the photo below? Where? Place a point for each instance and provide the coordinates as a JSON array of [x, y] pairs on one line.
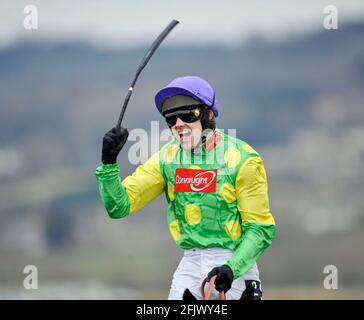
[[263, 82]]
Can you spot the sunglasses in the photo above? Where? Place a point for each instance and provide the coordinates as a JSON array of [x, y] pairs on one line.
[[188, 116]]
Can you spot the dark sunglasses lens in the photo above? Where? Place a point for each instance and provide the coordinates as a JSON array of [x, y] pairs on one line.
[[171, 120], [188, 117]]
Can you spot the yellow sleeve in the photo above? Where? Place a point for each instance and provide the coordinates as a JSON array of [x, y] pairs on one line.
[[258, 224], [252, 192], [145, 184]]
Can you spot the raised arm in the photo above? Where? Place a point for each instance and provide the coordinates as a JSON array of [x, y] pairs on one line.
[[121, 198]]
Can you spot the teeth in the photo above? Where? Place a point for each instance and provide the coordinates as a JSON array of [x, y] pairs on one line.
[[184, 132]]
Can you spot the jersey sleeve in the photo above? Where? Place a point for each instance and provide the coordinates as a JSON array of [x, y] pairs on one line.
[[258, 225], [121, 198]]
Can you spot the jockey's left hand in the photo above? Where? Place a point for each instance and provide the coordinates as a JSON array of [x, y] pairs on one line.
[[224, 278]]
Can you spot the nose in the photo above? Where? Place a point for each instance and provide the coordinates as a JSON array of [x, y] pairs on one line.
[[179, 122]]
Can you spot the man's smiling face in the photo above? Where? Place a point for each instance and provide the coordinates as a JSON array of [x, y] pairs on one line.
[[183, 115]]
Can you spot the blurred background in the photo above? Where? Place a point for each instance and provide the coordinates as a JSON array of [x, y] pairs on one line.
[[291, 88]]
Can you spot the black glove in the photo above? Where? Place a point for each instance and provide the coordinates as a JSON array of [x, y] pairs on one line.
[[112, 143], [253, 290], [224, 278]]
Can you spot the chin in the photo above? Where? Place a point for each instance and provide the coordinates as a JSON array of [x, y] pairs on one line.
[[186, 146]]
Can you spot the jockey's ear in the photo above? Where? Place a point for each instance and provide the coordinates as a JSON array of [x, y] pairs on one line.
[[188, 296], [211, 115]]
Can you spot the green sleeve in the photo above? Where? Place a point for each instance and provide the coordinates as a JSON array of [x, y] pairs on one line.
[[113, 194], [255, 240]]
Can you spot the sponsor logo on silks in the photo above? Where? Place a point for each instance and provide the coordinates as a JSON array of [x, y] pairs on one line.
[[195, 180]]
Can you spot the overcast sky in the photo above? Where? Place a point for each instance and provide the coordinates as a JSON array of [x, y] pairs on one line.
[[135, 22]]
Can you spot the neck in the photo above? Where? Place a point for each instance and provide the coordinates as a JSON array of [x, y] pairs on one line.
[[204, 139]]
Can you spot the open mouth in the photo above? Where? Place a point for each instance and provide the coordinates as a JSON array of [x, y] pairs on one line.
[[184, 133]]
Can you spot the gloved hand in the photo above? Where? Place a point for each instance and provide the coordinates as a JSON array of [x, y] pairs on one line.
[[253, 290], [224, 278], [112, 143]]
